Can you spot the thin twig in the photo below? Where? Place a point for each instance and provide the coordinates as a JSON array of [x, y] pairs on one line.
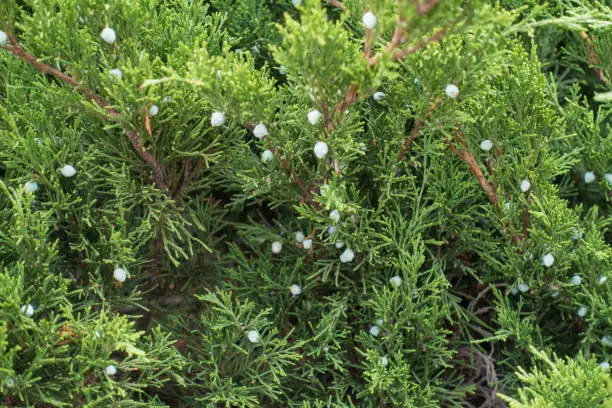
[[593, 59], [468, 157], [305, 191], [337, 4], [415, 130], [368, 43], [349, 98], [437, 36], [526, 221], [156, 166], [398, 34], [188, 175], [402, 54], [423, 9]]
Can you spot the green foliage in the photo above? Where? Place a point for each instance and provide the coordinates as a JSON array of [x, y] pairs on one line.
[[439, 241], [563, 383]]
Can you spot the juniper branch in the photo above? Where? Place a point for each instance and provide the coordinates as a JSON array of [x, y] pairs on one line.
[[132, 135], [46, 69]]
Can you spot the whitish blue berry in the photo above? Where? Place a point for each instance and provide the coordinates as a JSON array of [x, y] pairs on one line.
[[548, 260], [525, 185], [31, 186], [320, 149], [276, 247], [347, 256], [334, 215], [396, 281], [378, 96], [314, 116], [295, 289], [108, 35], [110, 370], [116, 73], [369, 20], [68, 171], [253, 336], [576, 280], [486, 145], [452, 91], [27, 310], [217, 119], [120, 274], [260, 131], [267, 156]]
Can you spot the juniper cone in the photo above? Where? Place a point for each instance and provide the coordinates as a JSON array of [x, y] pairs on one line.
[[305, 204]]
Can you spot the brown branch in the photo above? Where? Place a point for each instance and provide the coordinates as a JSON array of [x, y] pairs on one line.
[[133, 137], [398, 34], [415, 130], [188, 175], [349, 98], [367, 50], [157, 168], [593, 59], [46, 69], [337, 4], [423, 9], [305, 191], [468, 157], [526, 221], [437, 36], [492, 172], [401, 54]]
